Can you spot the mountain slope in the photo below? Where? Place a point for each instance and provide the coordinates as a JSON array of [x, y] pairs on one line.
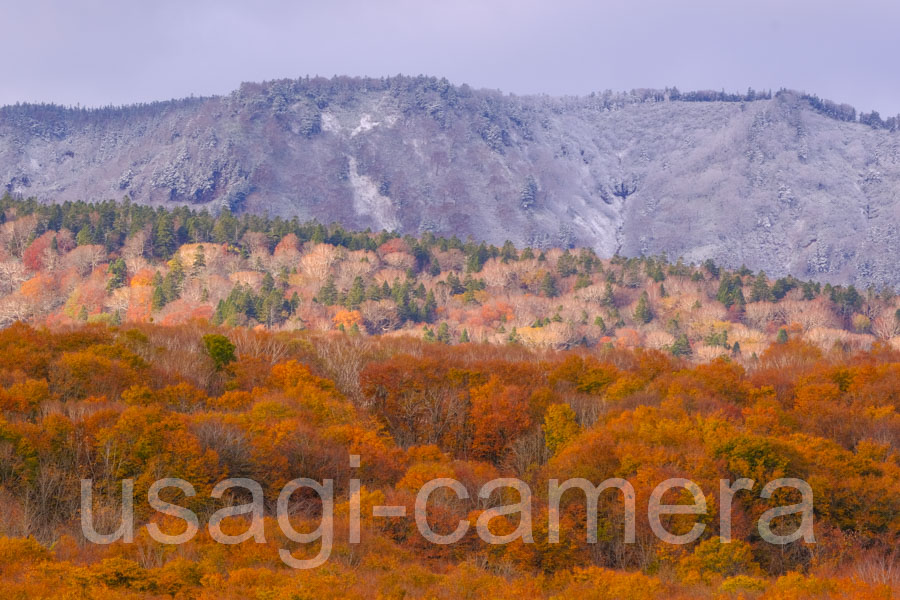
[[773, 182]]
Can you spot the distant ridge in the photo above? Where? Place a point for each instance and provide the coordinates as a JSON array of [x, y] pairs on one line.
[[783, 182]]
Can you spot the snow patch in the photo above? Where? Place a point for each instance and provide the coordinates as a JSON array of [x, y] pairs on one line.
[[367, 200], [330, 123], [365, 124]]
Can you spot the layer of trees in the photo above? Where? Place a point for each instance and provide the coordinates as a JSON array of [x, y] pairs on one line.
[[203, 404], [126, 263]]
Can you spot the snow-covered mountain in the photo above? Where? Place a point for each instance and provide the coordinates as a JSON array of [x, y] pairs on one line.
[[785, 183]]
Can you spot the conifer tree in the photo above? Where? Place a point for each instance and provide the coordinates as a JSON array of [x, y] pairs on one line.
[[328, 293], [158, 298], [681, 346], [642, 312], [357, 293], [609, 299], [548, 286], [760, 291]]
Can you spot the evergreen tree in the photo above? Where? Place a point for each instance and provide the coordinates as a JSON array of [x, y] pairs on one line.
[[357, 293], [528, 195], [225, 229], [430, 307], [582, 281], [464, 336], [476, 258], [782, 336], [508, 252], [220, 349], [443, 333], [374, 292], [730, 292], [456, 286], [85, 236], [809, 291], [199, 260], [268, 283], [548, 286], [472, 286], [609, 299], [119, 273], [566, 266], [760, 291], [272, 308], [681, 346], [164, 242], [158, 298], [171, 285], [642, 312], [328, 293]]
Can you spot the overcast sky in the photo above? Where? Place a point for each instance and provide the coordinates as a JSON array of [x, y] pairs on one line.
[[99, 52]]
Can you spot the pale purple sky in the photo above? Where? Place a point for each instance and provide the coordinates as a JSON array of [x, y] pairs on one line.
[[99, 52]]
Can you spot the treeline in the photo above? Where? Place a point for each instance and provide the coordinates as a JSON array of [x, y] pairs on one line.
[[845, 112], [110, 223], [117, 262]]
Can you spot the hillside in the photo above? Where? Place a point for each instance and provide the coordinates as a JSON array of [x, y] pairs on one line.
[[143, 401], [788, 184], [126, 263], [143, 343]]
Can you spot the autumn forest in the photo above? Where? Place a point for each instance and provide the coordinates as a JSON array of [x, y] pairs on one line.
[[140, 343]]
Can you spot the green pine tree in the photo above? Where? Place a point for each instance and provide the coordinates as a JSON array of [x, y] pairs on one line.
[[642, 312], [85, 236], [199, 260], [357, 293], [158, 298], [681, 347], [430, 307], [760, 291], [164, 242], [119, 273], [609, 298], [548, 286], [328, 293]]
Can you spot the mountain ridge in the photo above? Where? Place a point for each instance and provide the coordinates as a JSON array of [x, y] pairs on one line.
[[785, 183]]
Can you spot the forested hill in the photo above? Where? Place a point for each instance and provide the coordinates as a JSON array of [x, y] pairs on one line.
[[787, 183], [121, 263]]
